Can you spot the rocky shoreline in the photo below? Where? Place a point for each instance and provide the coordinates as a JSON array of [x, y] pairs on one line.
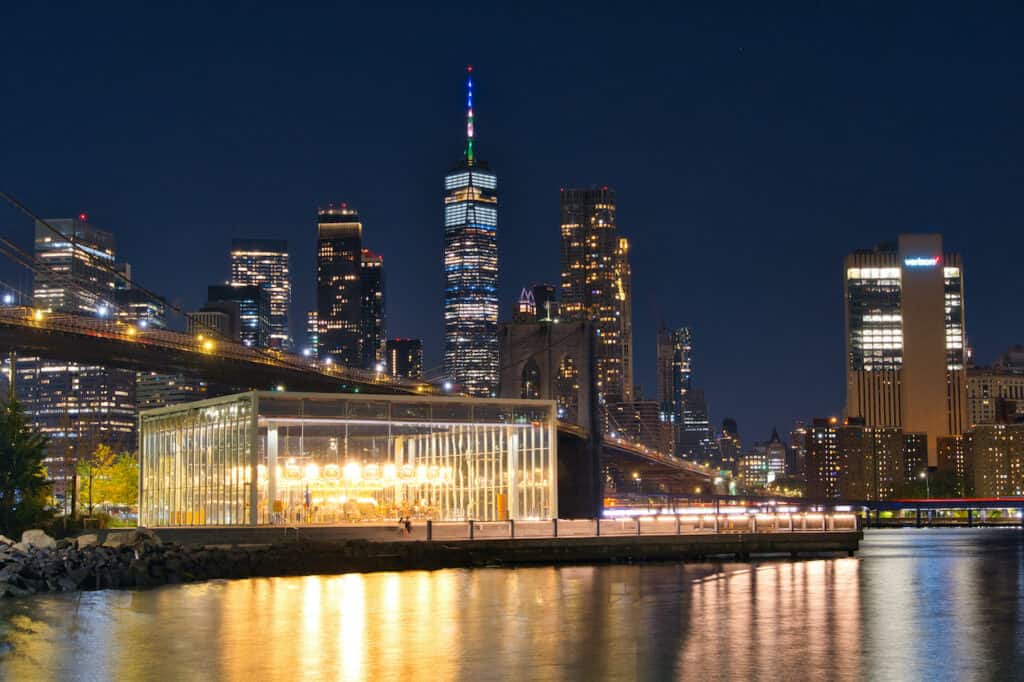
[[138, 558]]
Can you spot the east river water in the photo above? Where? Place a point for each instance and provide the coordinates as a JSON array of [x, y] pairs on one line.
[[913, 605]]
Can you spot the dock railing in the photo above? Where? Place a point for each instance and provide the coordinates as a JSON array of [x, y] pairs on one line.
[[660, 525]]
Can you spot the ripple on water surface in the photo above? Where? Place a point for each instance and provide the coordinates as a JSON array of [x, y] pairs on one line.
[[915, 604]]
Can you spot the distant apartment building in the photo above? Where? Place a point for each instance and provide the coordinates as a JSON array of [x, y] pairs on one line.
[[997, 451]]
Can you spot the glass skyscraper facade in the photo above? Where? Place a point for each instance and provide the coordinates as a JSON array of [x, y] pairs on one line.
[[372, 322], [253, 303], [74, 276], [265, 262], [596, 282], [471, 269], [675, 369], [339, 292]]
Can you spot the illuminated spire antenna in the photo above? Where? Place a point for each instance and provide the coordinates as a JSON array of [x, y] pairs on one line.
[[469, 115]]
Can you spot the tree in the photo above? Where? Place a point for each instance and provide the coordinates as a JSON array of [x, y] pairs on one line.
[[106, 478], [119, 485], [24, 488]]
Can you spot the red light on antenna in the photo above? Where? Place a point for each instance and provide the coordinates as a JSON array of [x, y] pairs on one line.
[[344, 204], [469, 68], [83, 217]]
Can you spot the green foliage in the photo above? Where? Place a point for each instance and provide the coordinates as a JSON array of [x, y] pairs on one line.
[[24, 489], [107, 479]]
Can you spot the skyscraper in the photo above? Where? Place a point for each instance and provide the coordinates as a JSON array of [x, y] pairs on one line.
[[76, 406], [675, 347], [697, 442], [253, 303], [265, 262], [373, 331], [596, 285], [471, 268], [339, 290], [905, 338], [75, 274], [405, 358]]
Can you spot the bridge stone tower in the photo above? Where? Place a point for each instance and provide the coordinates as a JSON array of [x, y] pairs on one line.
[[555, 361]]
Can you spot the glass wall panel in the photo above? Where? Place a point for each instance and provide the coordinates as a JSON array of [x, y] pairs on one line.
[[195, 465]]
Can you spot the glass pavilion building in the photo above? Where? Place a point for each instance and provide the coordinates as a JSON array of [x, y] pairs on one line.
[[263, 458]]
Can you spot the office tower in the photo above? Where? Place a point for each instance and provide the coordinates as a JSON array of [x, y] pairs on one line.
[[697, 437], [256, 262], [729, 445], [596, 284], [253, 303], [545, 303], [76, 406], [76, 266], [905, 338], [372, 321], [763, 464], [405, 358], [796, 455], [675, 347], [312, 335], [471, 268], [134, 306], [339, 288]]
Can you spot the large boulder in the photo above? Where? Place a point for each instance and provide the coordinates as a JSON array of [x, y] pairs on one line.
[[37, 538], [86, 540]]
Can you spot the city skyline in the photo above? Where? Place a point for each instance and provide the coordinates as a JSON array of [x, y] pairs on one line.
[[695, 262]]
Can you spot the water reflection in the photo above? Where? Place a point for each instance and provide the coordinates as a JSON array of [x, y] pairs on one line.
[[915, 604]]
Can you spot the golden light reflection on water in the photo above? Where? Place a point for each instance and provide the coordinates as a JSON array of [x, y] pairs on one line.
[[840, 619]]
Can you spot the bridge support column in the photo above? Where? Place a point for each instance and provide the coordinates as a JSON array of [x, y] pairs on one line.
[[970, 517], [918, 510]]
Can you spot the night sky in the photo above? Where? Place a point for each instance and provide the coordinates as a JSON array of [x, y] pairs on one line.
[[750, 152]]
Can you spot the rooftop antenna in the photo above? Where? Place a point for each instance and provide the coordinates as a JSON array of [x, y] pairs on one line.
[[469, 115]]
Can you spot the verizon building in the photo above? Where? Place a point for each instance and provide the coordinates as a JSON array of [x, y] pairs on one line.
[[905, 338]]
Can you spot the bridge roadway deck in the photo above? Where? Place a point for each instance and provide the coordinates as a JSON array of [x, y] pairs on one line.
[[77, 338]]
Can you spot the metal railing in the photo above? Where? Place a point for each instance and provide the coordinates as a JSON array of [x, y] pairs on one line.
[[644, 526]]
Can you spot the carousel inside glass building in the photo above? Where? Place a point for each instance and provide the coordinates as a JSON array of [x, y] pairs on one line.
[[269, 458]]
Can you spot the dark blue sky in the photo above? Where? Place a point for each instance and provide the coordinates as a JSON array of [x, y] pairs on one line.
[[751, 150]]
